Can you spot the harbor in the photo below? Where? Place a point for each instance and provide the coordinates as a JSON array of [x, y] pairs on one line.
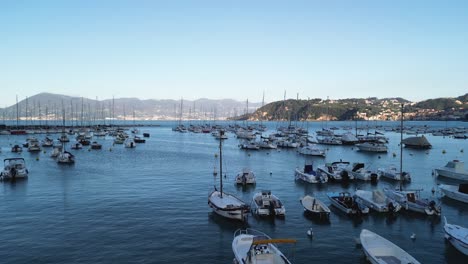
[[128, 204]]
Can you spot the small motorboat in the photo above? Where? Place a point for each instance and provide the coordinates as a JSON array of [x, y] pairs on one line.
[[266, 204], [96, 145], [66, 158], [379, 250], [335, 171], [411, 200], [17, 149], [56, 152], [347, 204], [77, 145], [457, 236], [308, 174], [377, 200], [138, 139], [393, 173], [312, 150], [129, 143], [359, 172], [372, 147], [453, 169], [251, 247], [14, 168], [315, 207], [459, 193], [246, 176]]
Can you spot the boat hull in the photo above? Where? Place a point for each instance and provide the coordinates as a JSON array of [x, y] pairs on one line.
[[228, 206]]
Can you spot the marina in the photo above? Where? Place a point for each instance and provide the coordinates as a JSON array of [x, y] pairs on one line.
[[149, 204]]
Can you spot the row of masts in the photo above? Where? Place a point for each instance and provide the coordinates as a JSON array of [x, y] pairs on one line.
[[75, 113]]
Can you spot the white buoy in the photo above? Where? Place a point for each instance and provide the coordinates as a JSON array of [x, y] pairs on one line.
[[310, 232], [413, 236]]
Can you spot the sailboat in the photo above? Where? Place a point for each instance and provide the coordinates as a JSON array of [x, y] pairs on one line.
[[224, 204], [65, 157], [411, 199]]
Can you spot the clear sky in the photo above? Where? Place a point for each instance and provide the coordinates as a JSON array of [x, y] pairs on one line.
[[233, 49]]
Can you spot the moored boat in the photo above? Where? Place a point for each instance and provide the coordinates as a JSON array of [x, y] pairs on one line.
[[251, 246], [246, 176], [347, 204], [225, 204], [266, 204], [459, 193], [457, 236], [14, 168], [309, 175], [453, 169], [377, 200], [315, 207], [379, 250]]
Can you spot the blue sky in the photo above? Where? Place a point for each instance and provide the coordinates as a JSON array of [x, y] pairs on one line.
[[234, 49]]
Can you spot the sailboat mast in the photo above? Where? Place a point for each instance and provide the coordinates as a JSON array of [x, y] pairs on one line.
[[401, 144], [221, 133]]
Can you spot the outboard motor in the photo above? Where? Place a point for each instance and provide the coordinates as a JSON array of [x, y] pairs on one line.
[[344, 176], [406, 176], [271, 208], [13, 174], [391, 207], [374, 178]]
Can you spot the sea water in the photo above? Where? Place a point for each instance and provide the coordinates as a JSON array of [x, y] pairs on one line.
[[149, 204]]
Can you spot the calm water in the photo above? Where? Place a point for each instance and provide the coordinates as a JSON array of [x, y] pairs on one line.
[[149, 204]]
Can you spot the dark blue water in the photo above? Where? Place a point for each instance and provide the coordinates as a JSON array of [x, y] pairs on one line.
[[149, 204]]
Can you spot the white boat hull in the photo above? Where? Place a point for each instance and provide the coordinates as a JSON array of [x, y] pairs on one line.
[[228, 206], [457, 236], [451, 191], [379, 250]]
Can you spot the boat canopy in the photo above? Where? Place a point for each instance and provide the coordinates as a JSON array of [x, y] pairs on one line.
[[276, 240], [463, 188], [419, 142]]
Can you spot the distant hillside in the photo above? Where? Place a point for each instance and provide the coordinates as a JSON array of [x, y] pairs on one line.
[[368, 109], [120, 108], [318, 109]]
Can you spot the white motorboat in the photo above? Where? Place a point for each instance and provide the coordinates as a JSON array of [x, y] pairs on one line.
[[266, 204], [250, 145], [372, 147], [287, 143], [47, 142], [329, 140], [312, 150], [65, 158], [346, 203], [335, 171], [96, 145], [379, 250], [359, 172], [129, 143], [56, 152], [76, 145], [14, 168], [453, 169], [377, 200], [246, 176], [349, 139], [17, 149], [119, 140], [459, 193], [309, 175], [225, 204], [457, 236], [315, 207], [253, 247], [411, 200], [393, 173], [34, 145], [267, 144]]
